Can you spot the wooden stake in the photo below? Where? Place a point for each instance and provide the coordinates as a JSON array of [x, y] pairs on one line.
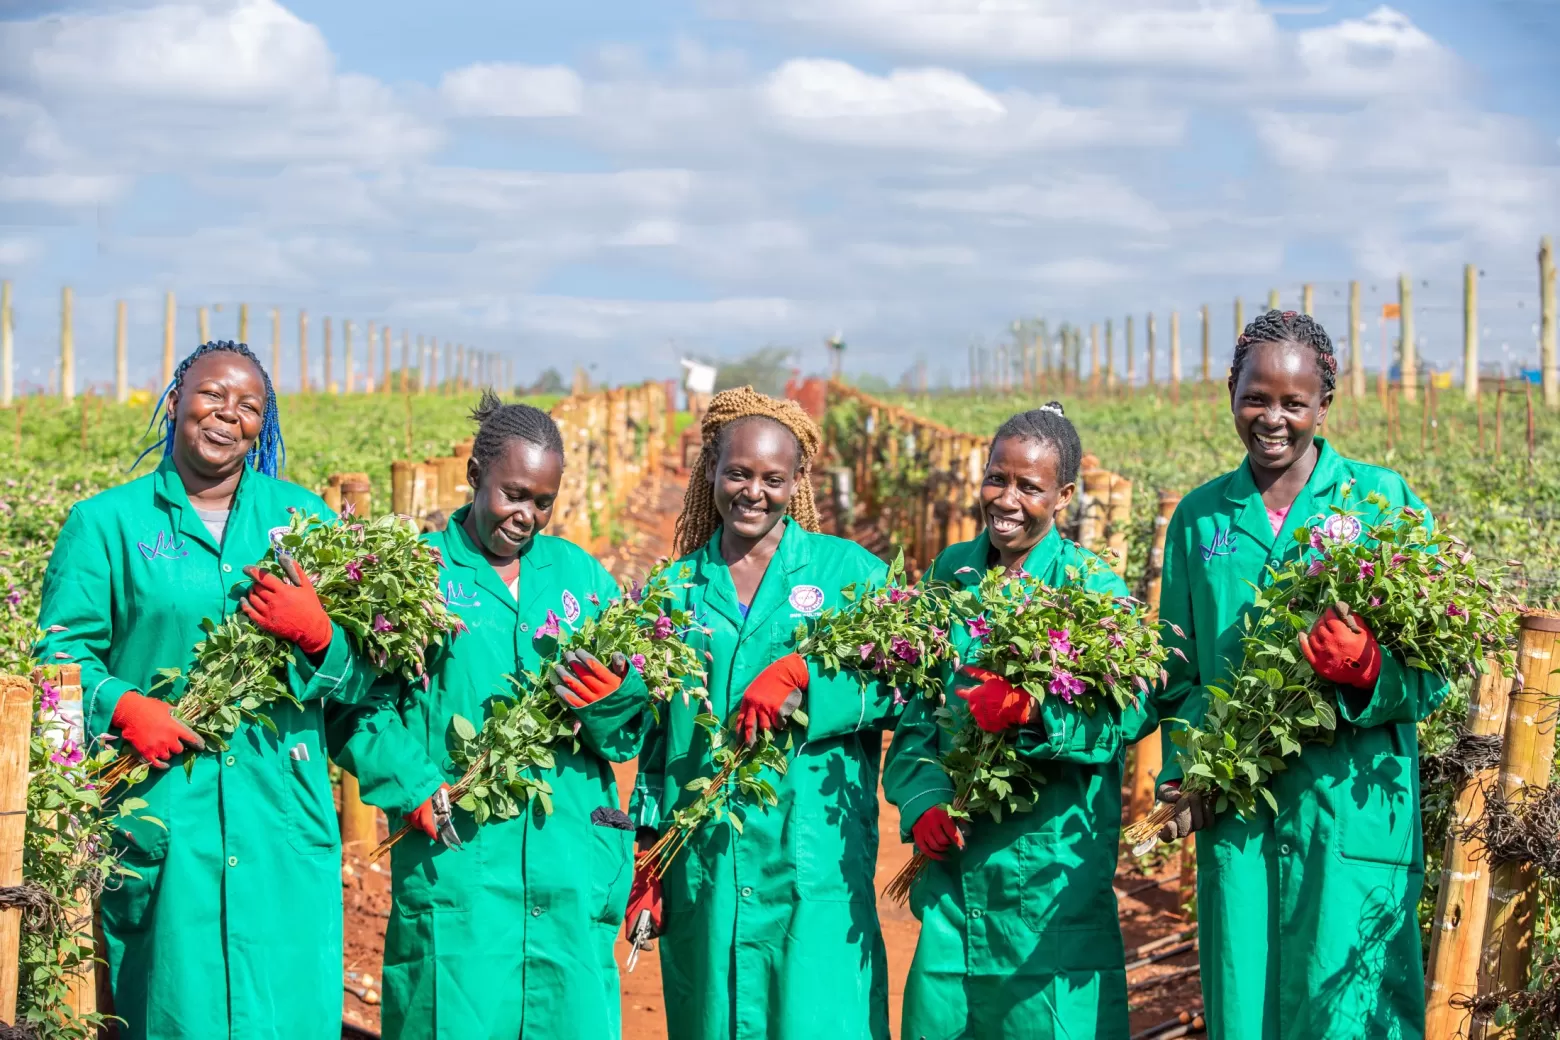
[[1457, 935], [1148, 753], [1546, 323], [1175, 357], [346, 356], [368, 359], [1528, 386], [121, 361], [330, 385], [1207, 366], [1240, 319], [203, 325], [1148, 353], [1470, 332], [243, 324], [170, 314], [7, 363], [1094, 360], [1307, 298], [303, 351], [1409, 356], [1500, 393], [384, 335], [67, 349], [406, 360], [16, 711], [1526, 758], [1356, 345], [1272, 300], [1131, 361]]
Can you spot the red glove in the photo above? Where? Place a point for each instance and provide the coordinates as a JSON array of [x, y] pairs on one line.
[[290, 612], [421, 818], [149, 726], [935, 833], [996, 703], [772, 696], [586, 680], [644, 894], [1342, 649]]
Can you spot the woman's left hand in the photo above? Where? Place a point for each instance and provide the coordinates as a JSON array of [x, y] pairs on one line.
[[996, 703], [1342, 648], [582, 679], [772, 696], [291, 612]]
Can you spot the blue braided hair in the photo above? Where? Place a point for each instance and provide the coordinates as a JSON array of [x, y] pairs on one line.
[[268, 455]]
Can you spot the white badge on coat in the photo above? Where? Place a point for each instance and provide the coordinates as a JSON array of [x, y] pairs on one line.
[[1341, 528], [299, 753], [274, 535], [808, 599], [571, 607]]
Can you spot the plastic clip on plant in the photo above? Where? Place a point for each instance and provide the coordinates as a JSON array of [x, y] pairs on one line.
[[1422, 595], [1088, 649], [376, 580], [887, 633], [501, 760]]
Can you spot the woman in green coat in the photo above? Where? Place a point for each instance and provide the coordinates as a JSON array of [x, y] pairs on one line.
[[510, 934], [770, 932], [1307, 916], [231, 922], [1019, 935]]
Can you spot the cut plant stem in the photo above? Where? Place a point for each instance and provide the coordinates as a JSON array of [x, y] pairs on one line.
[[457, 792], [898, 888]]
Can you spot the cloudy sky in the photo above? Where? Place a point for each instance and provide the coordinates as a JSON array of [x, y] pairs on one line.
[[619, 181]]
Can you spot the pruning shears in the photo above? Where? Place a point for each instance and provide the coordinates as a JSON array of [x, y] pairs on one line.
[[443, 820], [640, 938]]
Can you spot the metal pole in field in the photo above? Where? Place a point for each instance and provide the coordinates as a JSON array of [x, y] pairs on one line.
[[1470, 332], [1546, 323], [6, 376], [67, 349], [170, 313], [121, 362], [1408, 356], [1356, 345], [303, 351]]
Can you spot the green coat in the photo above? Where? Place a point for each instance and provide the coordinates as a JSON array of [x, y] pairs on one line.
[[772, 934], [1308, 918], [1019, 935], [511, 935], [234, 926]]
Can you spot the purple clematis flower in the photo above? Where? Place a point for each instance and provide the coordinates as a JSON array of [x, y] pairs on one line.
[[1317, 567], [1061, 642], [979, 628], [897, 595], [1367, 570], [638, 661], [549, 627], [354, 570], [903, 650], [1066, 686], [595, 600], [1116, 640], [1453, 610], [866, 650], [663, 628], [1317, 541], [1375, 601], [1398, 559], [49, 696], [68, 754], [382, 624], [14, 597]]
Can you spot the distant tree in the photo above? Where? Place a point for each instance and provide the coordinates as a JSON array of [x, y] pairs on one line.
[[765, 369], [549, 382]]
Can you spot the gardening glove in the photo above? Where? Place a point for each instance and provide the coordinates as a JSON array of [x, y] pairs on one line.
[[935, 833], [772, 696], [644, 894], [434, 818], [289, 611], [1190, 812], [996, 703], [1342, 649], [584, 680], [148, 725]]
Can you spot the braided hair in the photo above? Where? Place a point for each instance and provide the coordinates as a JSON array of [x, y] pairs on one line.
[[1047, 425], [1288, 327], [729, 410], [497, 422], [267, 455]]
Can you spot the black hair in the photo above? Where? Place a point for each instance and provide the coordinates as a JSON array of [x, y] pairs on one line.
[[723, 438], [1288, 327], [268, 455], [498, 422], [1047, 425]]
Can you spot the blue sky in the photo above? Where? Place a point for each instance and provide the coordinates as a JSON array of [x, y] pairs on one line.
[[616, 183]]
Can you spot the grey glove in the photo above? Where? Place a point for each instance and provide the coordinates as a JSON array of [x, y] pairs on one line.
[[1191, 814]]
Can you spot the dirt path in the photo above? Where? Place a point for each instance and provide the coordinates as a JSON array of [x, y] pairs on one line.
[[1149, 912]]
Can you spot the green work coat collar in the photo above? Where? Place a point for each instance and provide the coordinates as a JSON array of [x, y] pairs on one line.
[[792, 555], [1250, 514], [971, 557], [169, 488], [464, 553]]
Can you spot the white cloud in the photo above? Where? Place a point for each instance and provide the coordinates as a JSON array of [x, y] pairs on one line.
[[67, 190], [513, 91], [1082, 198], [1380, 55], [815, 88]]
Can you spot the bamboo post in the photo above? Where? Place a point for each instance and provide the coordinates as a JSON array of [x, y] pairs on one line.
[[243, 323], [1526, 758], [203, 325], [359, 821], [1118, 518], [1546, 322], [1408, 356], [1307, 298], [432, 373], [67, 349], [1148, 753], [1150, 328], [346, 356], [303, 351], [1470, 332], [368, 359], [1110, 356], [1131, 361], [1356, 345], [6, 361], [1457, 934], [384, 336], [121, 360], [1240, 318], [1207, 361], [1272, 304], [406, 360], [170, 313], [330, 385], [1175, 357], [1094, 359], [16, 711]]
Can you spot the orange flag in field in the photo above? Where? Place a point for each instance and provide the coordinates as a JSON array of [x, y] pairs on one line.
[[1391, 310]]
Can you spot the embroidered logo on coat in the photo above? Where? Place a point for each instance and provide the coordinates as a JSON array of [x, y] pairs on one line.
[[806, 598], [164, 548], [274, 535], [571, 607], [1341, 528], [1223, 545], [455, 595]]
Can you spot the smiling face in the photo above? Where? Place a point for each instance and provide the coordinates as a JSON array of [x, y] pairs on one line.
[[512, 496], [755, 476], [1278, 402], [1021, 494], [217, 413]]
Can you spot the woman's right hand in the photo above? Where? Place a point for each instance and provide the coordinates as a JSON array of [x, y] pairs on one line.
[[1191, 814], [147, 724], [935, 833], [644, 894]]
